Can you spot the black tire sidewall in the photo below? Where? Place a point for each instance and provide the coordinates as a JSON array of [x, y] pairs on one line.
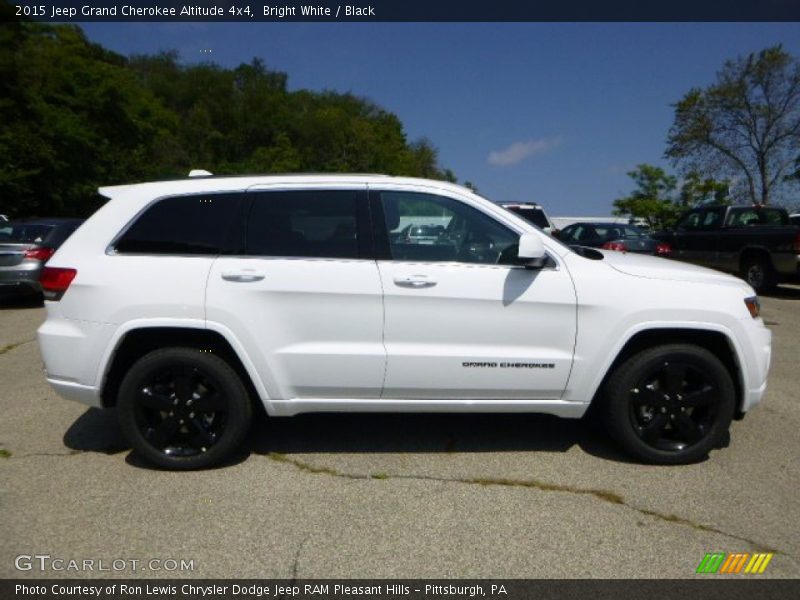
[[239, 407], [770, 280], [627, 375]]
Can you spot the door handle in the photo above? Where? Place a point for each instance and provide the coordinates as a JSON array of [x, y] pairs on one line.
[[242, 276], [414, 281]]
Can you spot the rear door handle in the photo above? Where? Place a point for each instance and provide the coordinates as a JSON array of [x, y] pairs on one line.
[[242, 276], [414, 281]]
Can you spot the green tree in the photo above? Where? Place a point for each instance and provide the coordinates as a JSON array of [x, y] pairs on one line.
[[652, 200], [697, 190], [76, 116], [73, 117], [744, 127]]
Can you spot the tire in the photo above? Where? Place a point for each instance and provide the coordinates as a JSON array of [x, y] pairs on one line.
[[182, 409], [670, 405], [758, 272]]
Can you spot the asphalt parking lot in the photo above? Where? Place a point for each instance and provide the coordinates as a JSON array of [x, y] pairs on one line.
[[393, 495]]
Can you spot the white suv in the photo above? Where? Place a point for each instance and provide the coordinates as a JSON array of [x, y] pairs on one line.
[[186, 303]]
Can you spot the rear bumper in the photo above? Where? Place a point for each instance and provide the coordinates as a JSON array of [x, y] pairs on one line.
[[71, 352], [21, 278]]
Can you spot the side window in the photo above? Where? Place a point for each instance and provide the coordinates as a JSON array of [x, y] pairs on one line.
[[197, 224], [318, 224], [426, 227], [742, 218], [775, 217], [691, 222], [713, 218]]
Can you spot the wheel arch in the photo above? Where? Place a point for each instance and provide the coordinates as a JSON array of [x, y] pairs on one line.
[[755, 251], [139, 340], [719, 343]]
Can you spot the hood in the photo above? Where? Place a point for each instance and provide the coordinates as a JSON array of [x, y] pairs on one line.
[[653, 267]]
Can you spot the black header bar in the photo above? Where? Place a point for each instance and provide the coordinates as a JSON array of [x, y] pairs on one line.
[[710, 587], [406, 10]]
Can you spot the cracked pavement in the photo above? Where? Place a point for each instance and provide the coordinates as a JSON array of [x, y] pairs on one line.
[[505, 496]]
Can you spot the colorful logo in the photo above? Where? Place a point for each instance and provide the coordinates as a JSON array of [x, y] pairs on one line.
[[736, 562]]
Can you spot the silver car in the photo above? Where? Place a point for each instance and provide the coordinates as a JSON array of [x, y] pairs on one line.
[[24, 248]]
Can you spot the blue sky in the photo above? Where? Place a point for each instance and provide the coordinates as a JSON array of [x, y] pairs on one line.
[[553, 113]]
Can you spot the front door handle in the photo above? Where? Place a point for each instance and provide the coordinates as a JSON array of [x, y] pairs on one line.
[[414, 281], [242, 276]]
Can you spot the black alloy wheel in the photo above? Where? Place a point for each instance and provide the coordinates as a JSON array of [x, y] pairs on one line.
[[670, 404], [673, 406], [183, 409]]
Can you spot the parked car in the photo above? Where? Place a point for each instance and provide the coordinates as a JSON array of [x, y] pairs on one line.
[[25, 246], [794, 219], [533, 213], [613, 236], [756, 242], [186, 303]]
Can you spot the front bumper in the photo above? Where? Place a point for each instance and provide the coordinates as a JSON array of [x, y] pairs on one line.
[[77, 392], [757, 357]]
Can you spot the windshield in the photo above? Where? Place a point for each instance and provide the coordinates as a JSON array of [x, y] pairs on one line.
[[23, 233]]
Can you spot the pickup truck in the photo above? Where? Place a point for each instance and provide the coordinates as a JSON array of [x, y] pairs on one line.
[[758, 243]]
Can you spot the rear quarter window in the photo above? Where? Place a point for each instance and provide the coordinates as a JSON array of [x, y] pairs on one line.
[[196, 224]]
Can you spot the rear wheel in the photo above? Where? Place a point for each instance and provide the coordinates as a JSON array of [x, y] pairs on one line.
[[182, 408], [758, 272], [670, 404]]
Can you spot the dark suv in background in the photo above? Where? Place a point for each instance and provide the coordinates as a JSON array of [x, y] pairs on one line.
[[25, 246]]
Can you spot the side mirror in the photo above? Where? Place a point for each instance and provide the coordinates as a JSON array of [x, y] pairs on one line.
[[531, 252]]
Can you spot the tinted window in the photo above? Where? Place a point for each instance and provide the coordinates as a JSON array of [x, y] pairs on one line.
[[757, 216], [691, 221], [61, 233], [713, 218], [22, 233], [184, 225], [320, 224], [453, 231]]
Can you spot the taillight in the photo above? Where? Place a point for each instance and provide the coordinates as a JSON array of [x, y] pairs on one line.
[[797, 243], [42, 254], [618, 246], [55, 281], [663, 249]]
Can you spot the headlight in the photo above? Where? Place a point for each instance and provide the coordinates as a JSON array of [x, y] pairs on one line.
[[753, 305]]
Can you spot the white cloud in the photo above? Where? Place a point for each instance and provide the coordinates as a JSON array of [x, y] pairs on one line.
[[519, 151]]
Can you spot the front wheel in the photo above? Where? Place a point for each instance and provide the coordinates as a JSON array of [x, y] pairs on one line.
[[181, 408], [670, 404]]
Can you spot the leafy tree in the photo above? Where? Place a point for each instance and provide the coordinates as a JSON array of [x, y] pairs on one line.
[[697, 190], [76, 116], [652, 200], [744, 127], [73, 117]]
